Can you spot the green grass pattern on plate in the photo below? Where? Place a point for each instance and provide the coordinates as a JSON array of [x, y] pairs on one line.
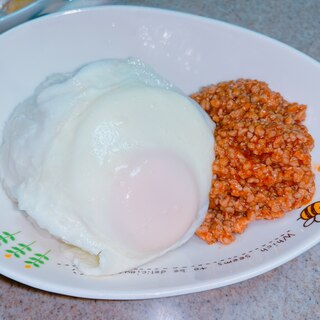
[[38, 259], [21, 249], [6, 236]]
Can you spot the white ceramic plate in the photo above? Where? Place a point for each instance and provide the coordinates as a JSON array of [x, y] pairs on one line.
[[191, 52], [10, 20]]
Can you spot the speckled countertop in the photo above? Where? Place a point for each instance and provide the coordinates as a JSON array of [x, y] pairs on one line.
[[291, 291]]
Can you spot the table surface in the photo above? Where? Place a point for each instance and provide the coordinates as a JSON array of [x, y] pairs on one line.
[[291, 291]]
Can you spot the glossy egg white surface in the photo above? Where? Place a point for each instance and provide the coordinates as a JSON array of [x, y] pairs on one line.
[[112, 159]]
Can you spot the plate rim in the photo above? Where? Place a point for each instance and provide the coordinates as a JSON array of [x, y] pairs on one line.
[[161, 10]]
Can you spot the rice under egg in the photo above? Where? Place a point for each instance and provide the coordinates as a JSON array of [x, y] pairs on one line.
[[111, 159]]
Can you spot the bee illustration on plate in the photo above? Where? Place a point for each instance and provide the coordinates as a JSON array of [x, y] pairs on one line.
[[310, 214]]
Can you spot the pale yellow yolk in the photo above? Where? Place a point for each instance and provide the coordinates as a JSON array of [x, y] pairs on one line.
[[154, 200]]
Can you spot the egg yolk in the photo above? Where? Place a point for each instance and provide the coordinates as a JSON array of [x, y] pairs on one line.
[[154, 200]]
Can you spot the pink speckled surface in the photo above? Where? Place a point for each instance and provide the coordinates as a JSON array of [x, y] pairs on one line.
[[291, 291]]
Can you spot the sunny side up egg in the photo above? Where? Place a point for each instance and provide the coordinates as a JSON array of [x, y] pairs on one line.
[[111, 159]]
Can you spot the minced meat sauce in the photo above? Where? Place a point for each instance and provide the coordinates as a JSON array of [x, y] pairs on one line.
[[262, 167]]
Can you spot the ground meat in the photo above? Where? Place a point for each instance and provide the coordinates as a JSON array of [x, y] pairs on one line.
[[262, 166]]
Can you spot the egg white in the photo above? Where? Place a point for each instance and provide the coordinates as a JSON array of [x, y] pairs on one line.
[[111, 159]]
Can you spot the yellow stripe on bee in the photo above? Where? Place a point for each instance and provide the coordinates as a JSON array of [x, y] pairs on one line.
[[310, 211], [316, 207], [305, 214]]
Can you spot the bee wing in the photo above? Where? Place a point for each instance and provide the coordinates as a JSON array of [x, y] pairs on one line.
[[309, 222], [317, 218]]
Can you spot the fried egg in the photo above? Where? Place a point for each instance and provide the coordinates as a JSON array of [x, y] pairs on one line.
[[112, 159]]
